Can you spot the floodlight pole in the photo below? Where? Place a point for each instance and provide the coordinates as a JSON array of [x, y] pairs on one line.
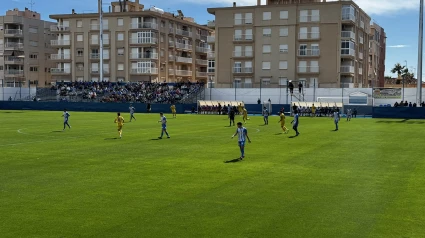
[[100, 40], [420, 53]]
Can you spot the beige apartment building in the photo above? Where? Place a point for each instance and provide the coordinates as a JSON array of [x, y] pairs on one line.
[[377, 46], [139, 45], [322, 44], [24, 48]]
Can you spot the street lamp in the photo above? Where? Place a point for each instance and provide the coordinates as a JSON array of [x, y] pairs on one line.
[[404, 77]]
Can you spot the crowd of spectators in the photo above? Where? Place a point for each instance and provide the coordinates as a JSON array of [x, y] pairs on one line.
[[144, 92], [406, 104]]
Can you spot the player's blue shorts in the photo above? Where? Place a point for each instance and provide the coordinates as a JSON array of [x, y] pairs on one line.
[[164, 127], [241, 143]]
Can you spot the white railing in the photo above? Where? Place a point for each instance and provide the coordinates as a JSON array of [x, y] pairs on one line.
[[243, 37], [309, 18], [211, 54], [96, 27], [144, 70], [347, 69], [348, 52], [183, 59], [59, 28], [210, 39], [60, 70], [60, 42], [170, 43], [308, 52], [309, 35], [60, 56], [144, 40], [184, 72], [14, 71], [361, 40], [96, 42], [170, 71], [94, 55], [13, 32], [13, 59], [183, 46], [13, 45], [348, 17], [360, 71], [245, 53], [96, 71], [243, 21], [348, 34], [171, 58], [308, 69], [211, 24], [202, 62], [202, 49], [201, 74], [245, 70], [360, 55], [183, 33], [144, 25], [144, 56]]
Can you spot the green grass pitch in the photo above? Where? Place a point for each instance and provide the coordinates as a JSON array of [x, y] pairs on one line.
[[366, 180]]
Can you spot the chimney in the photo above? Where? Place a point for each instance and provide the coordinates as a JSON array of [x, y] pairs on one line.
[[258, 2], [234, 4], [26, 9], [73, 11]]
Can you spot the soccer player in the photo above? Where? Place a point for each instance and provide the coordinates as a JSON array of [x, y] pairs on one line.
[[173, 110], [266, 116], [163, 120], [232, 116], [282, 122], [240, 108], [336, 117], [65, 116], [242, 133], [295, 123], [313, 111], [120, 122], [131, 108], [245, 115], [349, 114]]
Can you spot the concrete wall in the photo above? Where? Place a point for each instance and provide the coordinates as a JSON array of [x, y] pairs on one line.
[[399, 112]]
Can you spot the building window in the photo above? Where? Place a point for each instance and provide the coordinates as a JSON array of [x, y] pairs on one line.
[[120, 51], [283, 81], [33, 56], [302, 50], [33, 69], [120, 36], [237, 67], [120, 67], [266, 65], [283, 64], [33, 43], [248, 18], [248, 34], [315, 15], [33, 30], [283, 31], [283, 48], [267, 16], [265, 81], [79, 37], [161, 38], [120, 22], [238, 18], [79, 23], [162, 53], [80, 52], [267, 49], [314, 66], [267, 32], [283, 15], [80, 67]]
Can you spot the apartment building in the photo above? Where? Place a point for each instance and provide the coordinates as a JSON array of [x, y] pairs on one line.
[[24, 48], [377, 46], [139, 45], [318, 43]]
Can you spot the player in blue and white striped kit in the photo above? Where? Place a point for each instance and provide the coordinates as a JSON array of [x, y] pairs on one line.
[[164, 125], [131, 108], [266, 116], [295, 122], [65, 116], [336, 117], [242, 133]]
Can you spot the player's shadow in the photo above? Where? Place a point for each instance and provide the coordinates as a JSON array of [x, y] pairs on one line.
[[113, 138], [56, 131], [291, 137], [155, 139], [278, 134], [232, 161]]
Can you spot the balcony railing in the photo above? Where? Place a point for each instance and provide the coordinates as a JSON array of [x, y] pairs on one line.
[[246, 53], [13, 60], [243, 21], [362, 24], [243, 37], [360, 71], [201, 74], [170, 43], [360, 55], [309, 18], [308, 52], [347, 69], [144, 40], [184, 72], [60, 71], [60, 56], [14, 45], [183, 33], [96, 27], [183, 46], [361, 40], [309, 35], [15, 72], [59, 28], [96, 71], [144, 25], [202, 49], [348, 34], [201, 62], [348, 52], [60, 42], [210, 39], [144, 70], [211, 24], [308, 69], [144, 55], [94, 55], [211, 70], [211, 54], [348, 17], [15, 32], [183, 59], [170, 71], [96, 42], [245, 70], [171, 58]]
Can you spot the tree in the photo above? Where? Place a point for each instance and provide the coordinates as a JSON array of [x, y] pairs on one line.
[[399, 70]]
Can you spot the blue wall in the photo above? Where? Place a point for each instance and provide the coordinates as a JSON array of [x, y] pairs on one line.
[[361, 110], [399, 112]]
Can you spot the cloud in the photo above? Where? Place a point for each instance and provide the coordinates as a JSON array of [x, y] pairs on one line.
[[398, 46]]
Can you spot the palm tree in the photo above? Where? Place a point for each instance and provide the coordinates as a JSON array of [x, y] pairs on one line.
[[399, 70]]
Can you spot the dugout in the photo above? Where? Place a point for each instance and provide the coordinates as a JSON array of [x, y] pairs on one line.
[[207, 106]]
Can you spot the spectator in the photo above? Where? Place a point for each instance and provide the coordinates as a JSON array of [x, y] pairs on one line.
[[300, 87], [291, 87], [410, 104], [414, 104]]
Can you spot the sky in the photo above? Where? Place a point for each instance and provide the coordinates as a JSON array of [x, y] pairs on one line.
[[399, 18]]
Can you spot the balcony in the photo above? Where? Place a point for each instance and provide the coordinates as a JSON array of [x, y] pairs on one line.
[[347, 69], [308, 52], [201, 62], [60, 56], [211, 24], [348, 18], [309, 36], [13, 32], [13, 60], [348, 52], [144, 25], [246, 70], [360, 55], [143, 41], [348, 34], [171, 58], [170, 71], [183, 46], [96, 71], [241, 54], [171, 44], [59, 28], [60, 71], [144, 55], [94, 55], [210, 39], [13, 46], [144, 71], [362, 25], [308, 69], [96, 27], [97, 41], [360, 71], [201, 74], [183, 33], [14, 72], [211, 55], [183, 60], [202, 49], [361, 41], [243, 37], [211, 70], [60, 42], [243, 21], [309, 18], [183, 72]]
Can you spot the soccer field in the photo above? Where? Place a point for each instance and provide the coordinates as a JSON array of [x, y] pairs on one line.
[[365, 180]]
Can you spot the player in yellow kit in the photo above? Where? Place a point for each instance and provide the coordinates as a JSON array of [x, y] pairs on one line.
[[245, 115], [173, 110], [120, 122], [282, 122]]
